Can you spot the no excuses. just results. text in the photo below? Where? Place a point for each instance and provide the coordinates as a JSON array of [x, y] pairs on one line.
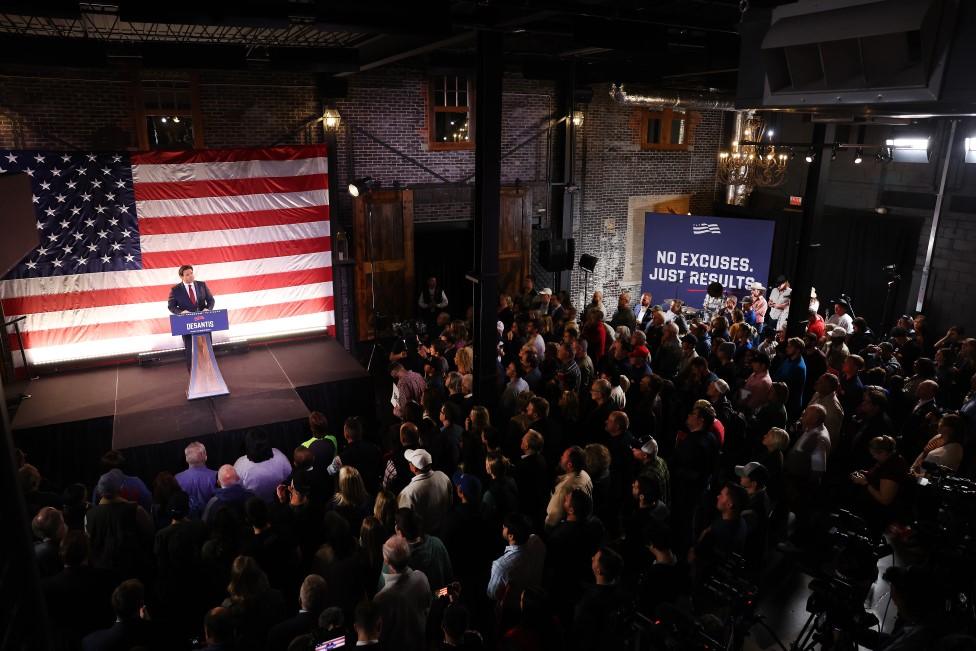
[[702, 262]]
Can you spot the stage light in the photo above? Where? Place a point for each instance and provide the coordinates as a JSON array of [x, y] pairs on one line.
[[362, 186], [176, 119], [909, 149], [164, 120], [811, 154], [858, 156]]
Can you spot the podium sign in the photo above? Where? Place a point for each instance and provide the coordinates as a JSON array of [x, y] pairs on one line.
[[205, 377]]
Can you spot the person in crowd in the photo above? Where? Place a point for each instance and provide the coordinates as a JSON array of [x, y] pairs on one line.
[[121, 531], [573, 464], [133, 488], [311, 599], [177, 550], [882, 483], [624, 316], [351, 500], [323, 445], [650, 464], [429, 492], [779, 304], [361, 454], [945, 449], [427, 553], [825, 395], [263, 467], [198, 481], [408, 387], [756, 391], [78, 598], [252, 603], [521, 565], [49, 530], [132, 628], [806, 463], [841, 317], [230, 494], [793, 372], [405, 599]]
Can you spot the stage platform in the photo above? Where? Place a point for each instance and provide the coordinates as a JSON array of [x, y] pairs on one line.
[[72, 418]]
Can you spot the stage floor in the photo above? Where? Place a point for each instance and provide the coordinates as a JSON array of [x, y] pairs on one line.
[[148, 405]]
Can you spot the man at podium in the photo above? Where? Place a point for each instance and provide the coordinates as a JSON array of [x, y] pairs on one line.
[[189, 296]]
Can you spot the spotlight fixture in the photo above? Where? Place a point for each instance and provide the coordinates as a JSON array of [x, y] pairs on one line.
[[833, 152], [176, 119], [362, 186], [811, 154], [164, 119], [859, 155]]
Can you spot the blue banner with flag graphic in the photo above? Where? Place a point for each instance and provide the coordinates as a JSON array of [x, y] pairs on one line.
[[683, 254]]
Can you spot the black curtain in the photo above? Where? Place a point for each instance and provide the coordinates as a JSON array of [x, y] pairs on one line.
[[855, 248]]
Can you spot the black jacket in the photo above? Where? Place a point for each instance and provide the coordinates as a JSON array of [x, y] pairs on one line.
[[179, 300]]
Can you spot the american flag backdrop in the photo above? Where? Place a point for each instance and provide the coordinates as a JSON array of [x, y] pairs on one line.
[[115, 227]]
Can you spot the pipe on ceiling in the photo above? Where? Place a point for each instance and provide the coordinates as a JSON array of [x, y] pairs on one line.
[[674, 99]]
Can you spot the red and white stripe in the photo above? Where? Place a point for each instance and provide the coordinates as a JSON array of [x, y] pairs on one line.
[[254, 223]]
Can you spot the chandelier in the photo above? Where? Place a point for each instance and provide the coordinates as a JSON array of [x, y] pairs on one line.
[[752, 161]]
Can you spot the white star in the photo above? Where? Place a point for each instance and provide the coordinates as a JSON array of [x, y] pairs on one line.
[[40, 226], [91, 157], [57, 263], [29, 172], [78, 236], [2, 171], [124, 209], [35, 198], [102, 235], [65, 223], [42, 251], [66, 249], [116, 159], [109, 196], [126, 233], [96, 183], [55, 171], [85, 196], [92, 248], [75, 211], [45, 185], [49, 212], [106, 259], [52, 237], [113, 222], [89, 222], [60, 198], [31, 265], [116, 246], [106, 170], [65, 158], [129, 258], [72, 184], [120, 184], [82, 260], [81, 171], [100, 209], [11, 158], [39, 158]]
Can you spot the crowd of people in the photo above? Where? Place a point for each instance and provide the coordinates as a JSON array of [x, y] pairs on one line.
[[626, 460]]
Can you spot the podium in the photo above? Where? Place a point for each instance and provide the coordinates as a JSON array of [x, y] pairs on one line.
[[205, 377]]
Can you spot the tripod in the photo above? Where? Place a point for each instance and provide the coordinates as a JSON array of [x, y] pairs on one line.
[[376, 314]]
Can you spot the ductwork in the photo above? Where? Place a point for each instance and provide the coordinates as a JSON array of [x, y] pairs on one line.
[[674, 99]]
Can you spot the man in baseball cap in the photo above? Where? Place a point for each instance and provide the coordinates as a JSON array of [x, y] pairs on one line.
[[753, 477], [430, 492]]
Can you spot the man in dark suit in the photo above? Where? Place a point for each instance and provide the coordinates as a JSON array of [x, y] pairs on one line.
[[132, 628], [311, 598], [190, 295]]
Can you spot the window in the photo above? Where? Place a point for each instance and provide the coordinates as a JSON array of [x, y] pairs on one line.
[[169, 116], [450, 122], [667, 130]]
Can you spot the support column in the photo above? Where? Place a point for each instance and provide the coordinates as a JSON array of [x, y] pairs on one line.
[[807, 245], [487, 185], [562, 193]]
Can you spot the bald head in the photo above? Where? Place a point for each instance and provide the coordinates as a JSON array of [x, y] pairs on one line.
[[927, 389], [227, 476]]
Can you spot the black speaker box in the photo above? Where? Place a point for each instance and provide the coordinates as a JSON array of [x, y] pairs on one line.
[[557, 255]]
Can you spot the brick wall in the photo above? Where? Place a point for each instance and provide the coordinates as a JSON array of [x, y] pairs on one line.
[[613, 168]]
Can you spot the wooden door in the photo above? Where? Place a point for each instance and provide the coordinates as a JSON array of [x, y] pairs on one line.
[[514, 239], [383, 229], [675, 206]]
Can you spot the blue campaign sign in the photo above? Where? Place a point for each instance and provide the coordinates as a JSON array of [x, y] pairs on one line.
[[683, 254], [195, 323]]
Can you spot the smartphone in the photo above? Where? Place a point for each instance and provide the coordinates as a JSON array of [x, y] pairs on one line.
[[442, 592], [334, 643]]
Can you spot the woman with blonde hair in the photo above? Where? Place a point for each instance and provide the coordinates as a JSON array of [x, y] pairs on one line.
[[384, 509], [464, 360], [351, 500]]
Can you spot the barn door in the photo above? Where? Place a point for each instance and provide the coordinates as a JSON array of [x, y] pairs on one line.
[[514, 239], [383, 228]]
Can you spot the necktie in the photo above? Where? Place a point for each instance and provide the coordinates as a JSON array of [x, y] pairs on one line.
[[193, 296]]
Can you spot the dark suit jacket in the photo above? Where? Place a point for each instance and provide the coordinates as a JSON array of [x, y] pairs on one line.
[[281, 635], [124, 635], [179, 300]]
